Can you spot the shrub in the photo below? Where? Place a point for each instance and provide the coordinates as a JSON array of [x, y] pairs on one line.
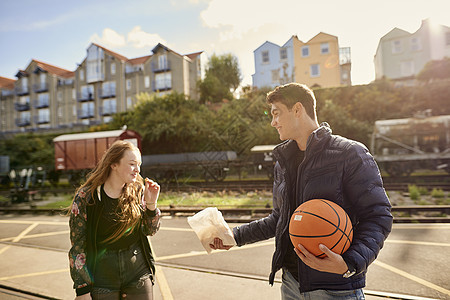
[[414, 193], [437, 193]]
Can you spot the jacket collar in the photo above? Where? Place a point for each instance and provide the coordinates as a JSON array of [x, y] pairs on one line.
[[288, 150]]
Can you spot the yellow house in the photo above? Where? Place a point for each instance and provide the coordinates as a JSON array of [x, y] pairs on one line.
[[317, 61]]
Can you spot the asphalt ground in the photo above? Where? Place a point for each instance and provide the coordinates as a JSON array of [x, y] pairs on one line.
[[414, 264]]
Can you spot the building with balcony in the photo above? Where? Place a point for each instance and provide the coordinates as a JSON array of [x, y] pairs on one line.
[[317, 63], [46, 97], [401, 55]]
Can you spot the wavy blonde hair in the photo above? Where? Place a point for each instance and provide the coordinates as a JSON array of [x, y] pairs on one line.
[[129, 210]]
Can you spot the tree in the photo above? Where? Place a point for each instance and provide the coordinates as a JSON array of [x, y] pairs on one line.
[[435, 69], [222, 78]]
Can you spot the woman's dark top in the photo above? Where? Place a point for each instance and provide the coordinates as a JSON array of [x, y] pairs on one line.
[[109, 222]]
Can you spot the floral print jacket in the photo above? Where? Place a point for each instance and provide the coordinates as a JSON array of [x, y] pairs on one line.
[[83, 220]]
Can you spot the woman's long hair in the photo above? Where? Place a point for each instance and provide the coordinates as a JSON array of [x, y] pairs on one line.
[[129, 210]]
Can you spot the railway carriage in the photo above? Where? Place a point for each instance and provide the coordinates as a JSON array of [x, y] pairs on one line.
[[402, 146]]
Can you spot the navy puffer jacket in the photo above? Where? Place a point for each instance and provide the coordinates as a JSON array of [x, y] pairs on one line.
[[336, 169]]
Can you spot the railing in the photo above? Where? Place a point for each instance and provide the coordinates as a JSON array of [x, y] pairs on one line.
[[40, 87], [107, 110], [82, 97], [22, 106], [41, 120], [161, 87], [21, 122], [41, 103], [157, 68], [20, 91], [107, 93], [6, 93]]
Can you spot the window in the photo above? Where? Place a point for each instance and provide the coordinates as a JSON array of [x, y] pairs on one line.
[[147, 81], [324, 48], [24, 100], [81, 74], [43, 116], [42, 80], [87, 110], [109, 89], [94, 64], [265, 56], [43, 99], [163, 81], [129, 102], [87, 92], [113, 68], [109, 106], [275, 75], [396, 46], [162, 62], [416, 45], [407, 68], [128, 84], [24, 118], [305, 51], [314, 70], [283, 53]]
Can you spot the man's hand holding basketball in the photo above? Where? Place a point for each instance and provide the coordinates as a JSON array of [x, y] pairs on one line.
[[218, 245], [332, 263]]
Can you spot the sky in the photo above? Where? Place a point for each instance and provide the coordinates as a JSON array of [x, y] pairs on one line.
[[59, 32]]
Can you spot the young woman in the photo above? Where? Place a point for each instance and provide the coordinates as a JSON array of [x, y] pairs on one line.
[[111, 216]]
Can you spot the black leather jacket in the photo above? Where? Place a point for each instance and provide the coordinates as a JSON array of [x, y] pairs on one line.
[[333, 168]]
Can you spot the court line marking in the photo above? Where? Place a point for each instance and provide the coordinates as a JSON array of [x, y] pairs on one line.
[[37, 235], [33, 221], [35, 274], [20, 236], [417, 243], [412, 277], [161, 279]]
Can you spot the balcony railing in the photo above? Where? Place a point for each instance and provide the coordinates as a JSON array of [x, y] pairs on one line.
[[22, 106], [62, 82], [82, 97], [161, 87], [6, 93], [107, 110], [107, 93], [85, 114], [40, 87], [157, 68], [41, 103], [20, 91], [41, 119], [21, 122]]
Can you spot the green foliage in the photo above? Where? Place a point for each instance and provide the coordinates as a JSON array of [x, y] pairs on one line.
[[414, 193], [222, 78], [26, 150], [437, 193], [435, 69]]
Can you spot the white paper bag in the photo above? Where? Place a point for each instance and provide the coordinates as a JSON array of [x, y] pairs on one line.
[[209, 224]]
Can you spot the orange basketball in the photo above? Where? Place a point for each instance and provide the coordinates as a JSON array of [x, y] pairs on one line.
[[320, 221]]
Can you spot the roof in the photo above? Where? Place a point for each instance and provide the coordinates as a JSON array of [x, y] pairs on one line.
[[53, 69], [88, 135], [138, 60], [194, 55], [6, 83], [116, 55]]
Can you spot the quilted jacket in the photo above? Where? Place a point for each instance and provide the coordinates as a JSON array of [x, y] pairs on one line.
[[336, 169]]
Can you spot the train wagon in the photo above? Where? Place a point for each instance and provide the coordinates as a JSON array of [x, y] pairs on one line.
[[401, 146], [79, 152], [209, 165], [263, 158]]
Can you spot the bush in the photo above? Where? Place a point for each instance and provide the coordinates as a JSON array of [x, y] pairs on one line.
[[437, 193], [414, 192]]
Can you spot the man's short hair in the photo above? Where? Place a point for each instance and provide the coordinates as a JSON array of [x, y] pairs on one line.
[[291, 93]]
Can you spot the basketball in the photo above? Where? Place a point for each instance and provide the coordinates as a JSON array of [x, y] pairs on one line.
[[320, 221]]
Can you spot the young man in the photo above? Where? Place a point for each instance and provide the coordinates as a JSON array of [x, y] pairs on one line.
[[313, 163]]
